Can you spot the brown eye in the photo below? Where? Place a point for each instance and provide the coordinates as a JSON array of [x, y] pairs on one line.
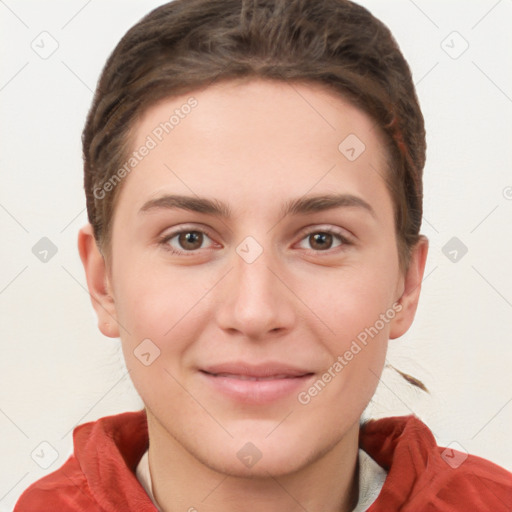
[[324, 240], [190, 240], [321, 241], [185, 242]]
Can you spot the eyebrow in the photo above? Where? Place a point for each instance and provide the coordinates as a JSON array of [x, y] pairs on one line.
[[298, 206]]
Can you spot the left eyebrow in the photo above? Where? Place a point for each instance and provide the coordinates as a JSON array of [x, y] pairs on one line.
[[298, 206], [312, 204]]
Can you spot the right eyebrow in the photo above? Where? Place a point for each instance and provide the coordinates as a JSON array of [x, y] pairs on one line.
[[195, 204]]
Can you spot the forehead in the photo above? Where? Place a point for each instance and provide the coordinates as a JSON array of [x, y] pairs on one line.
[[251, 142]]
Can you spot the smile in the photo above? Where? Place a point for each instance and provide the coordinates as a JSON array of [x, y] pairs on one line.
[[249, 377], [256, 385]]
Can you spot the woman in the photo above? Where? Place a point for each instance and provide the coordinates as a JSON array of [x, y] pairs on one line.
[[253, 175]]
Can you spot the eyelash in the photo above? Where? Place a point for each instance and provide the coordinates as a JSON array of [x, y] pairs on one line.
[[164, 241]]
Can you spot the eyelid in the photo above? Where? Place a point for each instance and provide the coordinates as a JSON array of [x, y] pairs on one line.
[[327, 228], [187, 227]]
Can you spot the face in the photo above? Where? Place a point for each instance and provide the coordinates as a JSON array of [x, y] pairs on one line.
[[250, 312]]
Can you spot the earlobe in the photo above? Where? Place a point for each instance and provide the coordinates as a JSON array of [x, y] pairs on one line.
[[412, 287], [98, 282]]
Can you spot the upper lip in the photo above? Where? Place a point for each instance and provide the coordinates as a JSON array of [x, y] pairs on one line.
[[269, 369]]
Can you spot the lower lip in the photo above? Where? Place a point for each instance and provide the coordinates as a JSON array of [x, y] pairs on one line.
[[257, 391]]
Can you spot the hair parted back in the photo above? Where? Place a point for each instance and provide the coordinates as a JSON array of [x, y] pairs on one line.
[[188, 44]]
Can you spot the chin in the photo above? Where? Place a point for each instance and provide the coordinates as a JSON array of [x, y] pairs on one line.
[[277, 464], [262, 458]]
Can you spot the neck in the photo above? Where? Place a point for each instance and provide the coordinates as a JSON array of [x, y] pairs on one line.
[[181, 482]]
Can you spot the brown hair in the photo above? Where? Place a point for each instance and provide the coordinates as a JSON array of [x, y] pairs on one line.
[[188, 44]]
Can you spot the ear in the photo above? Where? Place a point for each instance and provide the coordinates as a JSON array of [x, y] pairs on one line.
[[411, 289], [98, 282]]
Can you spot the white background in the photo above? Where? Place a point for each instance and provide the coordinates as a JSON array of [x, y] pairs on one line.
[[56, 368]]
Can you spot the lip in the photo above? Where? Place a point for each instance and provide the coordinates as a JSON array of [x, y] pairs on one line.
[[256, 384]]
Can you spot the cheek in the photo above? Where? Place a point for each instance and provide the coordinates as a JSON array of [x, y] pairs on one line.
[[358, 308], [148, 304], [145, 291], [159, 322], [354, 299], [142, 305], [360, 318], [164, 305]]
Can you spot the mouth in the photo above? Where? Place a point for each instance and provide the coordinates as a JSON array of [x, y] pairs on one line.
[[254, 378], [255, 384]]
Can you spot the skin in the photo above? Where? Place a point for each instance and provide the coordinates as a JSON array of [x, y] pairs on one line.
[[254, 145]]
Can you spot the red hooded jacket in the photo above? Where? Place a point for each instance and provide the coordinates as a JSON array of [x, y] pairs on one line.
[[422, 477]]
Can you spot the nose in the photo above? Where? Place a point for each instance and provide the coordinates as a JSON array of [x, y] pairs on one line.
[[257, 300]]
